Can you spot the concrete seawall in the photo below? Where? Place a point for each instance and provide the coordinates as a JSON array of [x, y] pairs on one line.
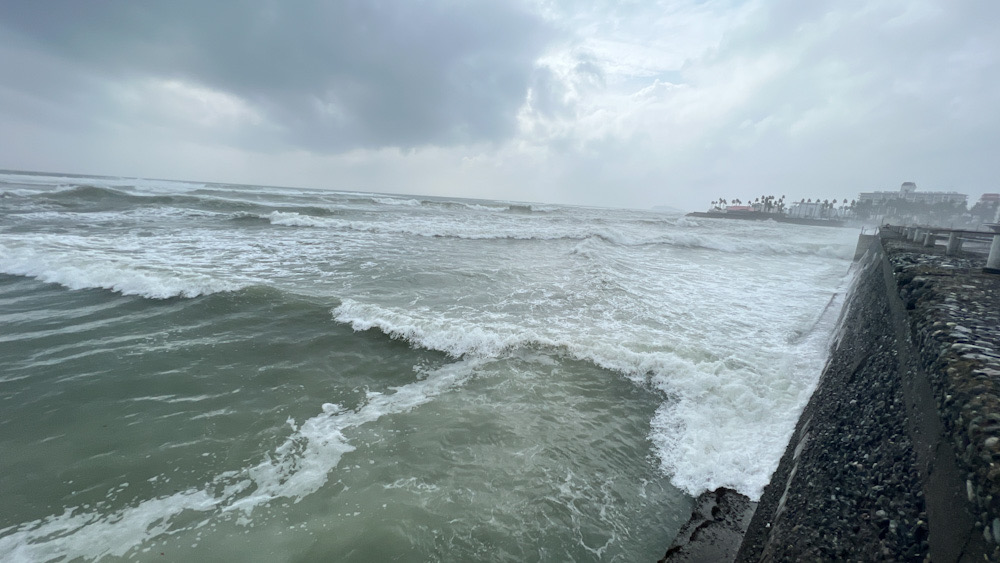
[[897, 454]]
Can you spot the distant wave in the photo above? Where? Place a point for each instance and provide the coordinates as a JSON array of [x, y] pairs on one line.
[[453, 229], [396, 201], [529, 208], [16, 193], [295, 219], [471, 206], [247, 217], [92, 194], [148, 185], [104, 198], [486, 231]]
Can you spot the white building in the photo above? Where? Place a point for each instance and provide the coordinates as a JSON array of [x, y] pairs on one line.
[[908, 192], [805, 209]]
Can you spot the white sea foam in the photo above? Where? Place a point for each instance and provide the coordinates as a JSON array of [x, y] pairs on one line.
[[480, 207], [292, 219], [501, 228], [761, 245], [81, 533], [74, 271], [434, 333], [396, 201], [725, 420], [719, 332], [298, 467], [460, 228]]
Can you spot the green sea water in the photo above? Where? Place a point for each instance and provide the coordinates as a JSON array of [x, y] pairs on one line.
[[203, 372]]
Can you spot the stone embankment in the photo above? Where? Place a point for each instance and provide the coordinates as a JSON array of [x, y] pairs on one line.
[[897, 455]]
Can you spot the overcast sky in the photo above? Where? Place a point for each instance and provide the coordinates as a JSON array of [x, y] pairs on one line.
[[626, 104]]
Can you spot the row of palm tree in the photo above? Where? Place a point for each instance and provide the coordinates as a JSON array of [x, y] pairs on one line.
[[772, 204]]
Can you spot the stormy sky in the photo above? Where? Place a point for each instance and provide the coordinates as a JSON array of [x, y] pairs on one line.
[[629, 103]]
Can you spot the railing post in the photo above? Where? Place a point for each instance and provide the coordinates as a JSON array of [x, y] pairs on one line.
[[993, 261], [954, 244]]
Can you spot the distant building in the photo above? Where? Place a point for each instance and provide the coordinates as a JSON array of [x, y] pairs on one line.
[[991, 200], [806, 209], [908, 192]]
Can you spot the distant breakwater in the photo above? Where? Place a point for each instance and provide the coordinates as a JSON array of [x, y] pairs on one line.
[[897, 454]]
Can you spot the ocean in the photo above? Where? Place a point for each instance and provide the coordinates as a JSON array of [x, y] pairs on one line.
[[206, 372]]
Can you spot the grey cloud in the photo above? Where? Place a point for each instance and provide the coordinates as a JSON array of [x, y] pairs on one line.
[[895, 95], [329, 75]]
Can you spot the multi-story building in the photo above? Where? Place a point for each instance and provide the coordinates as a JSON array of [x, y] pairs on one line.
[[908, 192], [806, 210], [990, 201]]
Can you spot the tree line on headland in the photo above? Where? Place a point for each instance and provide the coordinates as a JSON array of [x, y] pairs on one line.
[[894, 210], [772, 204]]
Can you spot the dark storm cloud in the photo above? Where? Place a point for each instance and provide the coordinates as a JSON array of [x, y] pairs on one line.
[[327, 75]]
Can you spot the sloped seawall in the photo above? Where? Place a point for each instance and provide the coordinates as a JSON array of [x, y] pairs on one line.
[[896, 455]]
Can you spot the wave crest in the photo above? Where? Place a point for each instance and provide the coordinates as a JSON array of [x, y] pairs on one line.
[[72, 272], [724, 421]]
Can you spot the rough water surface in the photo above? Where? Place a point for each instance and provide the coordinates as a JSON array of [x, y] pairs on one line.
[[237, 372]]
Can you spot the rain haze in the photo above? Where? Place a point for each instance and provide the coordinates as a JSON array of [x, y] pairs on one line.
[[624, 104]]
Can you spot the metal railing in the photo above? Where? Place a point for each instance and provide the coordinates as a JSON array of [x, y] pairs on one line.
[[928, 236]]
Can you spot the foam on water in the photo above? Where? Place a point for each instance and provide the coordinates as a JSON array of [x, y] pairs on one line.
[[82, 533], [71, 270], [297, 468], [724, 422], [498, 228], [720, 320], [292, 219], [396, 201]]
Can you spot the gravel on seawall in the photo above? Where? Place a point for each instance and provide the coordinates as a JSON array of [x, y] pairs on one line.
[[896, 457]]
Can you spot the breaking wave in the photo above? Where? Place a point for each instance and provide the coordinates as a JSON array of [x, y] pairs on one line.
[[75, 272], [724, 421]]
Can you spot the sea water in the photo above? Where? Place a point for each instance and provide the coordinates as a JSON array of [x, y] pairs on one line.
[[208, 372]]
